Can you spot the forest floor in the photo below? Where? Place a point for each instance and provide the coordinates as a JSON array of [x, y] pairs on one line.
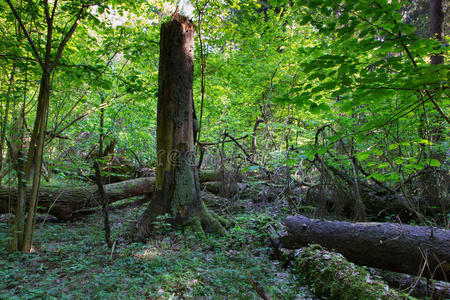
[[71, 261]]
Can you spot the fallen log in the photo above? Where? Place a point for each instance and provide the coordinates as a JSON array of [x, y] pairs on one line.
[[333, 277], [131, 204], [63, 201], [414, 250], [417, 287]]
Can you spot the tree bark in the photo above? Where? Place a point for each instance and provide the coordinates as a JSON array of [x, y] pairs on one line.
[[437, 27], [62, 202], [177, 187], [434, 181], [65, 202], [394, 247], [5, 119]]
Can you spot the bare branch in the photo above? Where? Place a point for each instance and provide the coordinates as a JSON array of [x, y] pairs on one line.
[[48, 45], [54, 9]]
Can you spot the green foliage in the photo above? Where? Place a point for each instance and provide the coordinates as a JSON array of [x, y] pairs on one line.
[[343, 81], [71, 261]]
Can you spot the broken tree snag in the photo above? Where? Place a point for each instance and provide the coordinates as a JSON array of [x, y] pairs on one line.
[[177, 186], [333, 277], [394, 247], [64, 201]]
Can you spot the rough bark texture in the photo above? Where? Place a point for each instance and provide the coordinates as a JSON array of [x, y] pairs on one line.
[[64, 201], [177, 187], [437, 27], [395, 247]]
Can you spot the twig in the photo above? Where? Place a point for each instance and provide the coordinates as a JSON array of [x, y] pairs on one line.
[[112, 250], [50, 207], [257, 287], [425, 263]]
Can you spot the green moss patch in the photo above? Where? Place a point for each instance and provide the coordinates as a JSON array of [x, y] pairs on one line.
[[333, 277]]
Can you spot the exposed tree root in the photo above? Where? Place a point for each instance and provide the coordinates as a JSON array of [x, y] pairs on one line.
[[205, 221]]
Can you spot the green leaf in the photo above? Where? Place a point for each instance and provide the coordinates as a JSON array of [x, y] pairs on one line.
[[394, 146], [407, 29], [383, 165], [322, 150], [434, 162], [377, 176], [424, 141], [361, 156]]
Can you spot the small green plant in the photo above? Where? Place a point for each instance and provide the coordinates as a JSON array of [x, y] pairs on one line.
[[162, 224]]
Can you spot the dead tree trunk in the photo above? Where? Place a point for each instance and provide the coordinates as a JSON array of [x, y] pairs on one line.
[[65, 202], [177, 188], [62, 202], [399, 248]]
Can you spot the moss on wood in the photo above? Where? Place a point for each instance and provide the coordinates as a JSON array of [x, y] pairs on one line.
[[333, 277]]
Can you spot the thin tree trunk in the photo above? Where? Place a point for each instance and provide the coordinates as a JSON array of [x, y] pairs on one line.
[[5, 119], [47, 62], [34, 165], [99, 179], [255, 133], [17, 154], [104, 200]]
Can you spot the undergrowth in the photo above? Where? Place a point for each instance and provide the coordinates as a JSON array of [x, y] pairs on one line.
[[71, 261]]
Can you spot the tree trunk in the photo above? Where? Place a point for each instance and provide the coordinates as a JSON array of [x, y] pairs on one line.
[[63, 201], [394, 247], [34, 166], [437, 27], [434, 180], [5, 119], [177, 188]]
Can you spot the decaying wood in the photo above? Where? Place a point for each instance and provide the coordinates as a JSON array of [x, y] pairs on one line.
[[417, 287], [64, 201], [177, 185], [399, 248], [61, 202], [334, 277]]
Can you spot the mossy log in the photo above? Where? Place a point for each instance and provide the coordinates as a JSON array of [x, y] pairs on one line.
[[333, 277], [394, 247], [64, 201]]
